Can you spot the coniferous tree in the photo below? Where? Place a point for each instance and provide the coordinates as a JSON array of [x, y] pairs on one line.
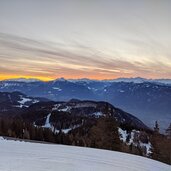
[[156, 127], [168, 132]]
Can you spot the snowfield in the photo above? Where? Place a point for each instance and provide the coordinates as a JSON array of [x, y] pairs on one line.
[[26, 156]]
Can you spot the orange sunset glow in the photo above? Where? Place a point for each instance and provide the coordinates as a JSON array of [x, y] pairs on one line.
[[85, 40]]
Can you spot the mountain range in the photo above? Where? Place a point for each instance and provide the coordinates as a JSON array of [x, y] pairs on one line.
[[147, 99]]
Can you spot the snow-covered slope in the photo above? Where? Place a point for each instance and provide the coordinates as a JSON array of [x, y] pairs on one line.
[[25, 156]]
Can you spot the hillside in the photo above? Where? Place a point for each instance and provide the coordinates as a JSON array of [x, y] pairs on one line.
[[11, 104], [66, 115], [61, 115]]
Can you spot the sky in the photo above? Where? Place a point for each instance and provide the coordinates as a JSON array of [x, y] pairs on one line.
[[96, 39]]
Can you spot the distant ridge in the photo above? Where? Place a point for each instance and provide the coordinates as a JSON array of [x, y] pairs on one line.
[[26, 80], [131, 79]]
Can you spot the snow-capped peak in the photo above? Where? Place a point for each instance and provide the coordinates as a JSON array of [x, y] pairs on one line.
[[134, 80], [60, 79]]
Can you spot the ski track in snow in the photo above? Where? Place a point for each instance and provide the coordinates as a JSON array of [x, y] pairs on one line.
[[26, 156], [47, 122]]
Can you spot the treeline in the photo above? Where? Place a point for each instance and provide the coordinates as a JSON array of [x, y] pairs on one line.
[[97, 133], [19, 129]]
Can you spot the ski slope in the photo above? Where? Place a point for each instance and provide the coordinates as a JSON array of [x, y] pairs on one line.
[[26, 156]]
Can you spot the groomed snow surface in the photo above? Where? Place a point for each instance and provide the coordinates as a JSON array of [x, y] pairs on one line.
[[26, 156]]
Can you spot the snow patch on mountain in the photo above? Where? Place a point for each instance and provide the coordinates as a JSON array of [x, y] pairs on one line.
[[55, 107], [65, 109], [98, 114], [131, 139], [57, 88], [147, 146], [123, 134], [24, 100]]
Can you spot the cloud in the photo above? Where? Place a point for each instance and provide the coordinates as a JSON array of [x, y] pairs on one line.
[[25, 56]]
